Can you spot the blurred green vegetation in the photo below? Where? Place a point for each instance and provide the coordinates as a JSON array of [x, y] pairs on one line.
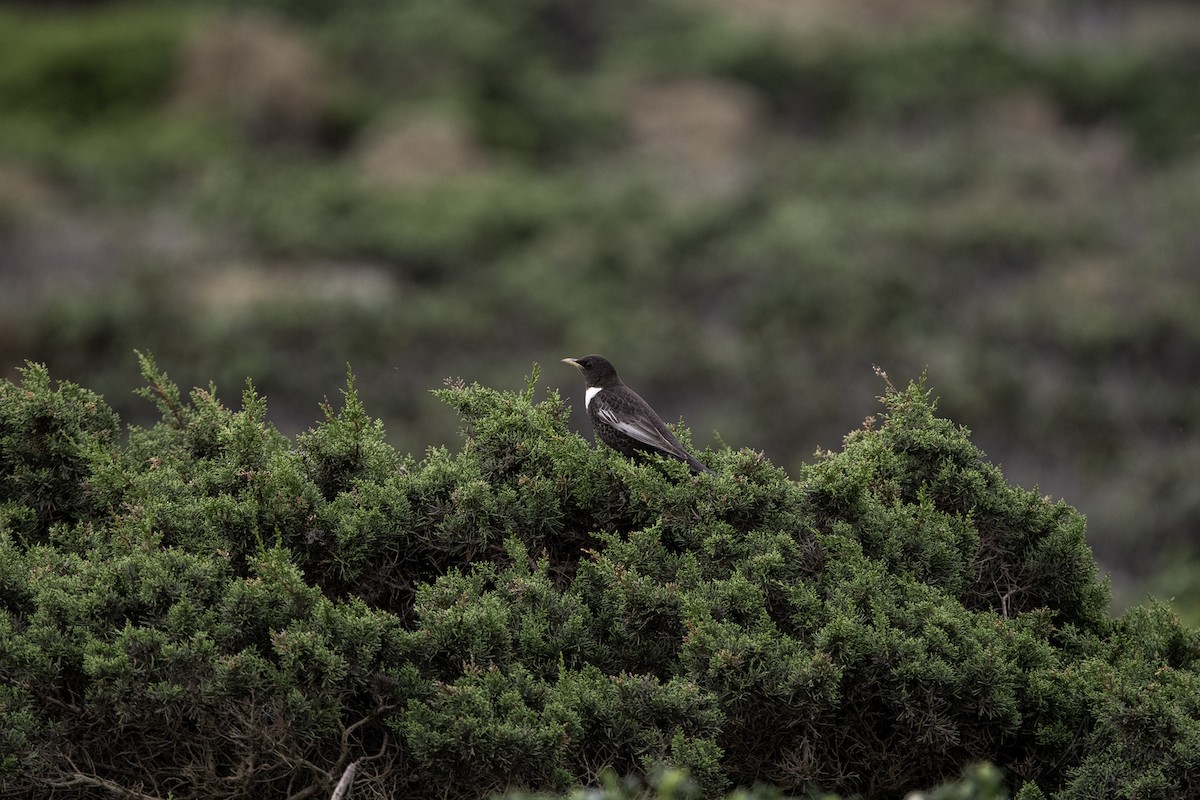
[[745, 208]]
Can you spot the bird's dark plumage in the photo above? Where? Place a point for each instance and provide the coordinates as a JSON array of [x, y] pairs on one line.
[[622, 419]]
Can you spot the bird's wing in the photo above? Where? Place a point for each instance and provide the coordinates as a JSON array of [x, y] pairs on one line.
[[644, 431]]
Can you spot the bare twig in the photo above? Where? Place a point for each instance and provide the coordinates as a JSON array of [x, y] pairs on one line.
[[343, 785], [77, 778], [879, 371]]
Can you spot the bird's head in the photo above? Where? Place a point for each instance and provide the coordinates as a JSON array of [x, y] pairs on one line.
[[597, 371]]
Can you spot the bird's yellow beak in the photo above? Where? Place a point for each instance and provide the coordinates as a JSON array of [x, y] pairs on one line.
[[572, 362]]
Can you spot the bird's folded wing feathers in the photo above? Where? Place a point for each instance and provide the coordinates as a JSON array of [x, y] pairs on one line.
[[642, 431]]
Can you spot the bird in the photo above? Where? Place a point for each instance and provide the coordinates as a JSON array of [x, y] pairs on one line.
[[622, 419]]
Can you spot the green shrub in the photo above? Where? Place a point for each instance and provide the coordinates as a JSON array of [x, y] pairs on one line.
[[217, 612], [48, 437], [67, 72], [1155, 96]]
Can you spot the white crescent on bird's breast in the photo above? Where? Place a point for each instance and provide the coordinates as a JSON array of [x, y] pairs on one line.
[[591, 392]]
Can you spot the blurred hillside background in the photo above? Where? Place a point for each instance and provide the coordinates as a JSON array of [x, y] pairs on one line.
[[744, 203]]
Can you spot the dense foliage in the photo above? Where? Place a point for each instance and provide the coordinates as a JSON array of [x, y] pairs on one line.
[[208, 609]]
